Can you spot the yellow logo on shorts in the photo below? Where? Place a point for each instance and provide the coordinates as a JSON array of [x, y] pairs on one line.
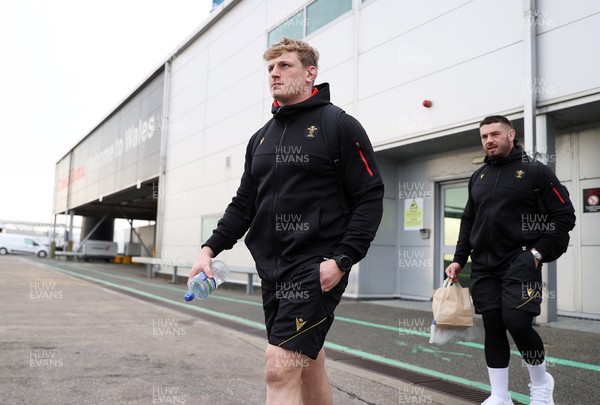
[[299, 323], [519, 174], [530, 291]]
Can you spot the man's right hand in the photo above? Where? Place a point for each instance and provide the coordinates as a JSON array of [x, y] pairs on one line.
[[452, 271], [202, 263]]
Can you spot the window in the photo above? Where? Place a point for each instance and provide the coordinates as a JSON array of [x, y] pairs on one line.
[[454, 199], [309, 19], [321, 12], [293, 27]]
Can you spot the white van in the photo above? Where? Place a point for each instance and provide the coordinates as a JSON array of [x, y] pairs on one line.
[[22, 244]]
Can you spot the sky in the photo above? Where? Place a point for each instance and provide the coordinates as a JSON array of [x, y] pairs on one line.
[[64, 66]]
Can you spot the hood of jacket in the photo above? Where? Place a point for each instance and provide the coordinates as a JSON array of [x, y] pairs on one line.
[[320, 97]]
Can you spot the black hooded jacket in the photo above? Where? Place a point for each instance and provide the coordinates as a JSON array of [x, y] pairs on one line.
[[288, 198], [502, 215]]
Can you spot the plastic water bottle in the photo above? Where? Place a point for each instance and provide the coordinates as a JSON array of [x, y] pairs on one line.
[[201, 286]]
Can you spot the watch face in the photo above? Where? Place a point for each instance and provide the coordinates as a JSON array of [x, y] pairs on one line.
[[344, 263]]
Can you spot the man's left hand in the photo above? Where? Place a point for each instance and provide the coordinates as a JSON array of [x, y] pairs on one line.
[[330, 275]]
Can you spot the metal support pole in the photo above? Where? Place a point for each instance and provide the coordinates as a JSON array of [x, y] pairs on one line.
[[249, 287], [150, 270], [174, 276], [530, 82]]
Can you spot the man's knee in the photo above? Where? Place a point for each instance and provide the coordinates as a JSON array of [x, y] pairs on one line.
[[282, 365], [517, 322]]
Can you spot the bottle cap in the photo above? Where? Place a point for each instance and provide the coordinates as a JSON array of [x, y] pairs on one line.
[[189, 296]]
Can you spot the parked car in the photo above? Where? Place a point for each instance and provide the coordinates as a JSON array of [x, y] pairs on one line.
[[22, 244]]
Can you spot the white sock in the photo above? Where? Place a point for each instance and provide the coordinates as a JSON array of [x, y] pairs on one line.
[[499, 382], [537, 374]]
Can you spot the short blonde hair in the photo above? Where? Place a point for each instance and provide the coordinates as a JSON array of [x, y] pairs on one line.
[[308, 55]]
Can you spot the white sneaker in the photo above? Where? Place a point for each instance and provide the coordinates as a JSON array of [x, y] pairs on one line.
[[497, 401], [542, 394]]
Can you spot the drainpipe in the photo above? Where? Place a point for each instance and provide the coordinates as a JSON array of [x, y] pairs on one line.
[[529, 81], [162, 180]]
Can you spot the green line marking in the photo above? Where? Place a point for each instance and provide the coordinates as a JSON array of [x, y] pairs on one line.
[[549, 359], [159, 298], [166, 287], [422, 370], [438, 352], [369, 324]]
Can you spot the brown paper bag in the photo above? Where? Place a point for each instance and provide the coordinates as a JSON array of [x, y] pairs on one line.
[[452, 305]]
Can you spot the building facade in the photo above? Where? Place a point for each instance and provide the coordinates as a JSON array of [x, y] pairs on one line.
[[418, 75]]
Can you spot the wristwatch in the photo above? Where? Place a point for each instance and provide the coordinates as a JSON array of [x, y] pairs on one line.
[[537, 255], [343, 262]]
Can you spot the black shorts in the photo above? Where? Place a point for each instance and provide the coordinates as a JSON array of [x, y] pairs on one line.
[[298, 314], [519, 286]]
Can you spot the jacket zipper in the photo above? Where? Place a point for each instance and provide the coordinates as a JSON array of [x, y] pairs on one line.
[[275, 241], [362, 156], [490, 214]]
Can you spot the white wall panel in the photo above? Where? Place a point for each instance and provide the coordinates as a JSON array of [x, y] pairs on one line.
[[569, 57], [216, 196], [182, 201], [234, 99], [466, 92], [382, 20], [340, 78], [193, 95], [214, 166], [175, 236], [589, 151], [185, 177], [590, 279], [234, 127], [244, 65], [190, 65], [235, 31], [567, 283], [184, 152], [454, 39], [378, 278], [556, 13], [190, 123], [564, 153]]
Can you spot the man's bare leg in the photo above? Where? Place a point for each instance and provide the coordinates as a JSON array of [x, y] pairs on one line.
[[315, 382], [283, 373]]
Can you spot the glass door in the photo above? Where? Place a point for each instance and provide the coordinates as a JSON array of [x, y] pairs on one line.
[[453, 198]]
